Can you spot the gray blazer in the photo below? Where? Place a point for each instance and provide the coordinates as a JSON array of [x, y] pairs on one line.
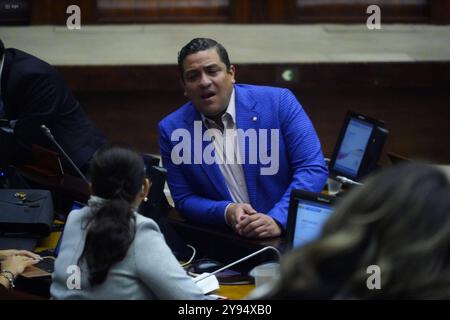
[[148, 271]]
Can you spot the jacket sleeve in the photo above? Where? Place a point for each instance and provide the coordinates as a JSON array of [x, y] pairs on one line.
[[40, 97], [187, 202], [304, 153], [158, 268]]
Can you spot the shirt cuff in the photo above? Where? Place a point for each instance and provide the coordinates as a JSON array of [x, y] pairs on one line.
[[225, 213]]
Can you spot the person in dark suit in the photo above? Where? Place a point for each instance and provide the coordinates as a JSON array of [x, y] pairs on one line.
[[33, 94], [263, 142]]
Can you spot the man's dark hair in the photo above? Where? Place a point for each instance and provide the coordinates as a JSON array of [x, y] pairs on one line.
[[2, 48], [201, 44]]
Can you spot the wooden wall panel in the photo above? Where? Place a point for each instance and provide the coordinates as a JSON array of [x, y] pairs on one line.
[[132, 11], [239, 11], [412, 98], [259, 11], [344, 11], [14, 12], [54, 11], [440, 12], [164, 78], [122, 11]]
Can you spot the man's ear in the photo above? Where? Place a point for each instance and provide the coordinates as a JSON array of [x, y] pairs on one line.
[[232, 72], [183, 85]]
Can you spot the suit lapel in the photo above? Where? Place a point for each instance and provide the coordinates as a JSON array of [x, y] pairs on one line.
[[247, 118]]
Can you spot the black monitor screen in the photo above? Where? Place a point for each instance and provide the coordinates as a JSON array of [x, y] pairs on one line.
[[307, 214], [358, 147], [311, 216], [353, 147]]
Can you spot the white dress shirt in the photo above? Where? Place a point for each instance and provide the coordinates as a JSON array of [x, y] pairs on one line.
[[226, 146]]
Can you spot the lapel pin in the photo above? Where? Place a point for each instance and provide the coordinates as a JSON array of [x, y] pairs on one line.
[[255, 118]]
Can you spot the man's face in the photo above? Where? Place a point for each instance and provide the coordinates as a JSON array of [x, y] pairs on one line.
[[207, 82]]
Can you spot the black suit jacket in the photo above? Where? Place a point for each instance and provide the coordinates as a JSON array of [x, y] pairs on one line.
[[35, 94]]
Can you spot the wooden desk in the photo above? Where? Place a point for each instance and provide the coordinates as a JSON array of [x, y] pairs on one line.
[[223, 244], [235, 292]]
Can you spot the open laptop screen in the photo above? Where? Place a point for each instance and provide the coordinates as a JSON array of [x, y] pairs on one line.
[[308, 212], [358, 146], [311, 216], [353, 147]]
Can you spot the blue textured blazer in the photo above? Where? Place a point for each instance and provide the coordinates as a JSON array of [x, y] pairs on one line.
[[199, 190]]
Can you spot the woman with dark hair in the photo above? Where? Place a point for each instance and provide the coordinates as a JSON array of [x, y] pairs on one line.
[[398, 223], [111, 252]]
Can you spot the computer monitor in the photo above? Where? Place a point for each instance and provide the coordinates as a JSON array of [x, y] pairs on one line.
[[358, 147], [157, 203], [157, 206], [307, 214], [150, 161]]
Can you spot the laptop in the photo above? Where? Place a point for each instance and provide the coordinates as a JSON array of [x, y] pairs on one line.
[[307, 214], [46, 267], [358, 147]]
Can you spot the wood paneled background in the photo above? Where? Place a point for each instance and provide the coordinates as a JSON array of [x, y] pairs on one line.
[[224, 11], [412, 98], [127, 102]]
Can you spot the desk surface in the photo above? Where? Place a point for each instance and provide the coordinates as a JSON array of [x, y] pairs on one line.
[[235, 292], [224, 245]]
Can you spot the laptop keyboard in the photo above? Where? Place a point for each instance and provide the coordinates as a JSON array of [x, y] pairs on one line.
[[47, 265]]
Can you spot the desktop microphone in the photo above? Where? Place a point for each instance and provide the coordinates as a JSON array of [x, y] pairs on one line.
[[347, 180], [206, 275], [48, 133]]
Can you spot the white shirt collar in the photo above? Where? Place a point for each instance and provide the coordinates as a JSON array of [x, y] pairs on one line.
[[231, 110]]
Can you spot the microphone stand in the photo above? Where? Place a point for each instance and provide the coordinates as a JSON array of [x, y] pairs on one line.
[[48, 133], [347, 180], [206, 275]]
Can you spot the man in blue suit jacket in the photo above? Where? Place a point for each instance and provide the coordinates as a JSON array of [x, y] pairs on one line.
[[234, 152]]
